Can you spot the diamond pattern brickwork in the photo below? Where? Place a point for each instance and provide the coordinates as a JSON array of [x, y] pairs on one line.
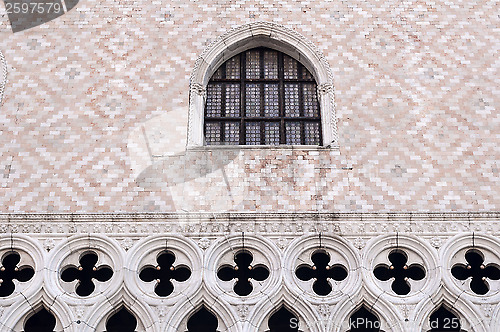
[[416, 91]]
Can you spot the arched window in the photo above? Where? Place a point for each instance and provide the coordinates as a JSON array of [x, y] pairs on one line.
[[121, 321], [364, 320], [42, 321], [202, 320], [443, 320], [283, 321], [262, 97]]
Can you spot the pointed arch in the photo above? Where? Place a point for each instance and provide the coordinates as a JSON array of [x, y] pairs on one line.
[[283, 320], [14, 321], [308, 319], [443, 318], [121, 321], [364, 319], [470, 317], [390, 319], [95, 320], [41, 321], [265, 34], [177, 318], [202, 320]]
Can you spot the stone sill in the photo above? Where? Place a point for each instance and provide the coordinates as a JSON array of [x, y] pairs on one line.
[[264, 147]]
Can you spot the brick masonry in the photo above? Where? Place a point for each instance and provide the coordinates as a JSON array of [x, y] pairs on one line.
[[94, 117]]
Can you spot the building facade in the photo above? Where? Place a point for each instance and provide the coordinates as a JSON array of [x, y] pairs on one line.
[[251, 165]]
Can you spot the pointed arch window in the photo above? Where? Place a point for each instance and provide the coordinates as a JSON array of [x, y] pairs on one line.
[[443, 320], [121, 321], [262, 97], [41, 321], [363, 320], [202, 321], [283, 321]]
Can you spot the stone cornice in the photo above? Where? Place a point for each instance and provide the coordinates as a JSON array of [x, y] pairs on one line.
[[234, 217], [266, 224]]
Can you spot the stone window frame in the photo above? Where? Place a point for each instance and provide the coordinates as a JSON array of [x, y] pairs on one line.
[[261, 34]]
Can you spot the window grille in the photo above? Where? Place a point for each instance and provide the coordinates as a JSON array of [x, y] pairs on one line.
[[262, 97]]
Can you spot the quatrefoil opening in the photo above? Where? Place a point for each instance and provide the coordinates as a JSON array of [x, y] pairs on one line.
[[400, 271], [164, 273], [9, 271], [477, 271], [321, 272], [243, 272], [85, 273]]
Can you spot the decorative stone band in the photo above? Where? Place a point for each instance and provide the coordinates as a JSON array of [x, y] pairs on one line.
[[3, 77], [199, 89], [206, 224], [325, 88]]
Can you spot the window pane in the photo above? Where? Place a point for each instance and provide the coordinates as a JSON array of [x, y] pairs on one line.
[[306, 75], [262, 96], [233, 68], [232, 132], [272, 133], [290, 67], [252, 133], [311, 131], [292, 133], [232, 100], [214, 99], [292, 100], [253, 64], [212, 133], [271, 100], [252, 104], [310, 101], [270, 64], [218, 74]]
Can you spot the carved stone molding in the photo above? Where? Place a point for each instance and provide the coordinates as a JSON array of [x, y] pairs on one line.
[[325, 88], [3, 76], [199, 89], [346, 224]]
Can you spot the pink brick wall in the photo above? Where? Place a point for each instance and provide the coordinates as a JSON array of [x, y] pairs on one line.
[[416, 95]]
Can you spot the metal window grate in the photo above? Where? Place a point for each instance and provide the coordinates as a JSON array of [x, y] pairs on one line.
[[262, 97]]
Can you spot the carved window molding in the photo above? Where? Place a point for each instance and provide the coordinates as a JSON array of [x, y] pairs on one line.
[[3, 76], [261, 34]]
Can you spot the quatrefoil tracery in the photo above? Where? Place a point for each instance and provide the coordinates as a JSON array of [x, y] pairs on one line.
[[243, 272], [400, 271], [477, 270], [9, 271], [321, 271], [164, 272], [85, 273]]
